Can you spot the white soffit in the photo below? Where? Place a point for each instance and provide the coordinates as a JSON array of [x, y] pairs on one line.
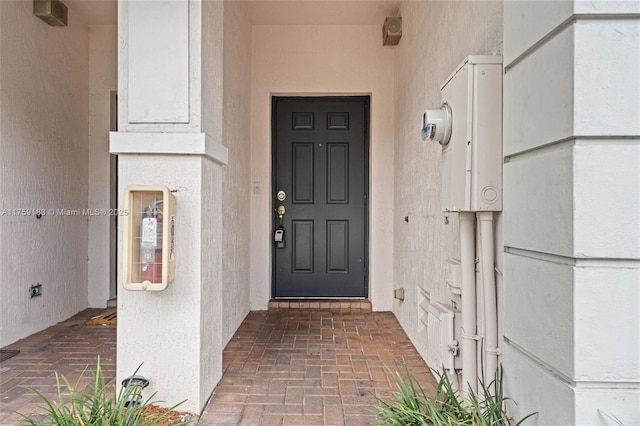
[[268, 12], [321, 12], [94, 12]]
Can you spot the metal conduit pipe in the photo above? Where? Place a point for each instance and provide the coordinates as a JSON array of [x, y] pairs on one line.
[[485, 220], [468, 269]]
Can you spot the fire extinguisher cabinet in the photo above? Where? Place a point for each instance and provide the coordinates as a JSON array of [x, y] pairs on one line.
[[149, 238]]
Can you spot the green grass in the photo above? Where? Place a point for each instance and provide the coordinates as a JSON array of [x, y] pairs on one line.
[[410, 405], [97, 406]]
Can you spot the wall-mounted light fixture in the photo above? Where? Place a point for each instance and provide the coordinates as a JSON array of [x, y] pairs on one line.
[[53, 12], [391, 31]]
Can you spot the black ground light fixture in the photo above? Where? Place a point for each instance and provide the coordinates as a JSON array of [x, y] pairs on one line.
[[138, 383]]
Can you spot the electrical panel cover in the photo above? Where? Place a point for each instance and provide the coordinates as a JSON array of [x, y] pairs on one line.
[[472, 160]]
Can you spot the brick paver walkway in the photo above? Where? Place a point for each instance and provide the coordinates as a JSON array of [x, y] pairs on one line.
[[280, 368], [67, 348], [310, 368]]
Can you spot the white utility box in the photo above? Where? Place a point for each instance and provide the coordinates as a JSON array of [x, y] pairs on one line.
[[443, 334], [472, 159]]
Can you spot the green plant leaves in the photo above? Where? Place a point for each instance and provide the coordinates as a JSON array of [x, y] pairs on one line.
[[97, 406], [410, 405]]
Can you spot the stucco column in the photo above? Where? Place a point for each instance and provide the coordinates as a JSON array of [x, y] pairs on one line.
[[174, 334], [572, 211]]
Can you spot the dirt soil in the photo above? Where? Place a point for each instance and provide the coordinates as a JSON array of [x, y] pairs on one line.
[[171, 418]]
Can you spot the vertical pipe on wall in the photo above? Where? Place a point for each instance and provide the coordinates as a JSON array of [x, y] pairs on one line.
[[480, 311], [485, 220], [467, 263]]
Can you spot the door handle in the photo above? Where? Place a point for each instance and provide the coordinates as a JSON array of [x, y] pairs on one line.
[[280, 211]]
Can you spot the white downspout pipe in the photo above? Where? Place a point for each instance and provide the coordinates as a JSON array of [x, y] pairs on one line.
[[485, 220], [468, 267]]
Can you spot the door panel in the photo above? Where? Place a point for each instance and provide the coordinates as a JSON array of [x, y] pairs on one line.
[[337, 246], [303, 173], [321, 163], [302, 246], [337, 173]]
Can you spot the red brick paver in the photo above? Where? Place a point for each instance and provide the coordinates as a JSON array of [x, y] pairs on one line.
[[67, 348], [296, 367], [310, 367]]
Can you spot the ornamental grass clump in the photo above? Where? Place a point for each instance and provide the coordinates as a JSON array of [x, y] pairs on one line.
[[96, 405], [410, 405]]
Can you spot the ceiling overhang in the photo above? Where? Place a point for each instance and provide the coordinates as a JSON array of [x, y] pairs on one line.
[[268, 12]]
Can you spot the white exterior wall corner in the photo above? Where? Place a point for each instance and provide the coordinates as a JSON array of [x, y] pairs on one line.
[[194, 87], [534, 388], [423, 61], [543, 296], [607, 87], [560, 404], [301, 60], [177, 333], [539, 188], [572, 210], [211, 73], [607, 312], [168, 332], [541, 111], [212, 314], [606, 176], [236, 177], [43, 152], [2, 290], [103, 78]]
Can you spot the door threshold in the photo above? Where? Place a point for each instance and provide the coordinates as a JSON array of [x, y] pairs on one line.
[[330, 305]]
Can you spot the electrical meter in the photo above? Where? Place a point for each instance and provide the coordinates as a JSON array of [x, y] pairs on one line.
[[436, 124]]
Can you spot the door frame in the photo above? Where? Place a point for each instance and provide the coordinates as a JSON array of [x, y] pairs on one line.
[[367, 164], [113, 201]]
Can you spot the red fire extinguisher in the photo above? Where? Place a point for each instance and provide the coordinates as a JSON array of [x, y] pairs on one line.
[[151, 243]]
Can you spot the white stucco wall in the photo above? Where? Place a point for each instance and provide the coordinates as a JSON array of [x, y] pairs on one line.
[[169, 56], [177, 333], [425, 57], [236, 176], [2, 243], [103, 78], [44, 80], [212, 69], [572, 211], [323, 60]]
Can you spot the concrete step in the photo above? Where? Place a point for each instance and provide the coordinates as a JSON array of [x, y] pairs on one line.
[[331, 305]]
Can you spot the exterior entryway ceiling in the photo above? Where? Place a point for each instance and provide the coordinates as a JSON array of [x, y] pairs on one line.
[[322, 12], [94, 12], [268, 12]]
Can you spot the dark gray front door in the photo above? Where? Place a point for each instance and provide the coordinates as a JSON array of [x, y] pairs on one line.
[[320, 162]]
